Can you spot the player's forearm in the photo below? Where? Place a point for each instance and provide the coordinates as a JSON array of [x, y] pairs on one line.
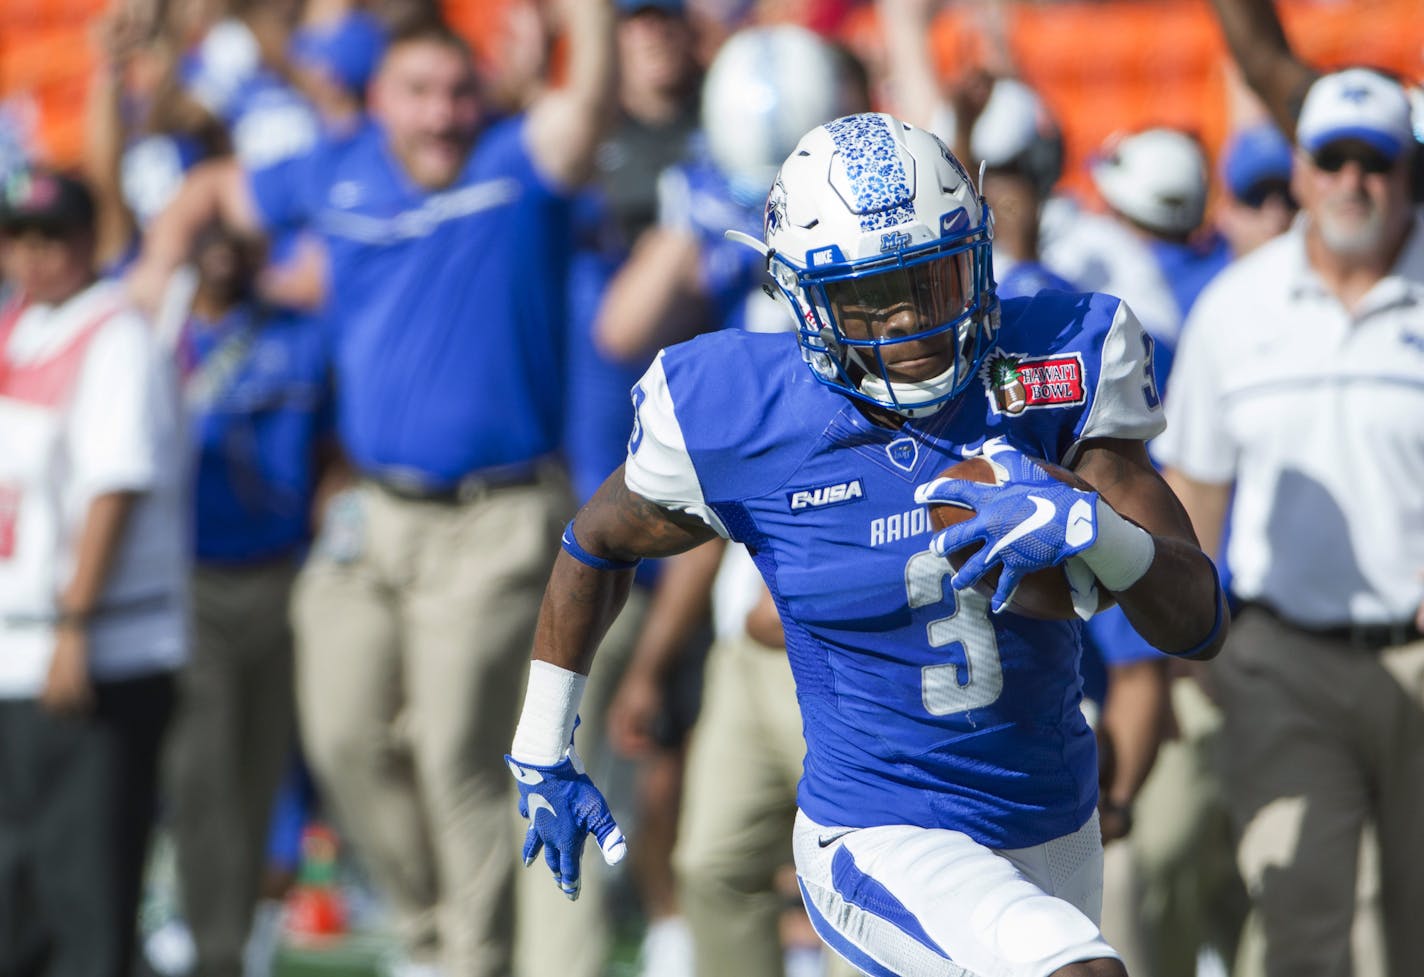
[[1177, 605], [1146, 554], [579, 605]]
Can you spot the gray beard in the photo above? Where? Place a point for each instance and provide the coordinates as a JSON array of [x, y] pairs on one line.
[[1355, 239]]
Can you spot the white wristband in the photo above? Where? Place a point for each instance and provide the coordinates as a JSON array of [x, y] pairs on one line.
[[551, 705], [1122, 553]]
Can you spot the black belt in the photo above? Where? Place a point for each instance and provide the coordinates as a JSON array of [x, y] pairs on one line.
[[1367, 637], [473, 486]]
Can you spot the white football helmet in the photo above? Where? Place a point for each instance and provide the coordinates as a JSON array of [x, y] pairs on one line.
[[870, 219], [765, 89], [1157, 178]]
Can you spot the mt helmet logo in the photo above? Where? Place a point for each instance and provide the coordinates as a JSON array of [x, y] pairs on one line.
[[904, 452]]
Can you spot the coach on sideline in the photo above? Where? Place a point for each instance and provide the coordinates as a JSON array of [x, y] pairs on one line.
[[1297, 404], [445, 238]]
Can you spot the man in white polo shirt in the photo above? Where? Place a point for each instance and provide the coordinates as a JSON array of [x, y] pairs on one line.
[[1300, 383], [91, 588]]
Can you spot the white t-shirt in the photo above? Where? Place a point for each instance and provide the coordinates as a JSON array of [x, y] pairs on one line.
[[113, 428], [1318, 419]]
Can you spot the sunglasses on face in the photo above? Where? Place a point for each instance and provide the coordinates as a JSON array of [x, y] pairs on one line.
[[1261, 191], [1333, 159]]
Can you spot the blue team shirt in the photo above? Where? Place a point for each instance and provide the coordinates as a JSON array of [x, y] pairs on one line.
[[256, 443], [446, 307], [1188, 268], [918, 706], [1028, 278]]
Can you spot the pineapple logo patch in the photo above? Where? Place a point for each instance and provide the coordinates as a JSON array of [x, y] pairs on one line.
[[1016, 383]]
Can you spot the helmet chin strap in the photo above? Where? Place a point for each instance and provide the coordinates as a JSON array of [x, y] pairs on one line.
[[918, 398]]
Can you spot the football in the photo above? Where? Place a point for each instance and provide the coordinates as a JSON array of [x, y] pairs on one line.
[[1043, 594]]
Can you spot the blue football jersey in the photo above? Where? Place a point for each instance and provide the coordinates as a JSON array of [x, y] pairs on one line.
[[919, 706]]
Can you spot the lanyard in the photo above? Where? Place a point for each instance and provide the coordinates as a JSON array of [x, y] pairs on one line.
[[207, 379]]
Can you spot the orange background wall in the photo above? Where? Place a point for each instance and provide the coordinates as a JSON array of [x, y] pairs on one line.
[[1102, 66]]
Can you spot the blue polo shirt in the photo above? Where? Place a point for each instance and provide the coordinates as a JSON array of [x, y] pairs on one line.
[[256, 437], [447, 308]]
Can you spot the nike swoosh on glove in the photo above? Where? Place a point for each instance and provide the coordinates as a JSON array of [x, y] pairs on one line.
[[563, 808], [1027, 521]]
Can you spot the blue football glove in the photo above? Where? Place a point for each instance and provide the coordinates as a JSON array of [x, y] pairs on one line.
[[1027, 521], [563, 807]]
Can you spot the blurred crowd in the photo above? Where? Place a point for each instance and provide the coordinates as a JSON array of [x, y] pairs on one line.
[[304, 370]]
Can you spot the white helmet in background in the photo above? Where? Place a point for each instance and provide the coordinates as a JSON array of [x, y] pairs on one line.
[[1156, 178], [869, 211], [1015, 131], [765, 89]]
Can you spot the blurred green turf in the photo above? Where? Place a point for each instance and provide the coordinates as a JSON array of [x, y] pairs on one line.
[[362, 955]]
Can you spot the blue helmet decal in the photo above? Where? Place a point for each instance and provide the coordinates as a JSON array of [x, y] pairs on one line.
[[883, 194]]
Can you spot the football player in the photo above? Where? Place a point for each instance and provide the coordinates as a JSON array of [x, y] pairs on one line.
[[947, 805]]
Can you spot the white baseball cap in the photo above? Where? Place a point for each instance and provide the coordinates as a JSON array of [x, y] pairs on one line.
[[1157, 177], [1355, 104]]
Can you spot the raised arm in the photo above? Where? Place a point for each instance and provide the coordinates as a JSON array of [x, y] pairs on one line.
[[212, 190], [916, 86], [1258, 44], [566, 124]]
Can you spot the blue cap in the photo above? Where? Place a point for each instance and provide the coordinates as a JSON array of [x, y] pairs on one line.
[[1253, 156], [674, 7], [348, 49]]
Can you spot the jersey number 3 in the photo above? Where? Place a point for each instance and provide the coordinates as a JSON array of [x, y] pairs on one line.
[[974, 677]]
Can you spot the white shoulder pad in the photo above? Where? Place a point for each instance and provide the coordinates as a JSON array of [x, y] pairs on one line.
[[1127, 403], [658, 466]]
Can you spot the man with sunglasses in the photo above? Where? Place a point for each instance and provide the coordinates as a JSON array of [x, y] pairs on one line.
[[1300, 385], [1256, 166]]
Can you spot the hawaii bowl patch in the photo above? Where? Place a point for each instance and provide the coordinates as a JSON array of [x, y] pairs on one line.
[[1016, 383]]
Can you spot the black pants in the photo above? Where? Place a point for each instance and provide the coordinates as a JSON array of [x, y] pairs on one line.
[[77, 803]]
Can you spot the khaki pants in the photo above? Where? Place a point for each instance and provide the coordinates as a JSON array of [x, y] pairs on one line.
[[1181, 880], [230, 741], [1323, 738], [738, 811], [411, 656]]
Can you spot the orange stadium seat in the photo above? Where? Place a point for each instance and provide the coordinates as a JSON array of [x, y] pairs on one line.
[[1124, 65], [1102, 66]]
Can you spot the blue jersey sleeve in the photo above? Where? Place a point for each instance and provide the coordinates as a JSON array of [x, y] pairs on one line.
[[289, 194]]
